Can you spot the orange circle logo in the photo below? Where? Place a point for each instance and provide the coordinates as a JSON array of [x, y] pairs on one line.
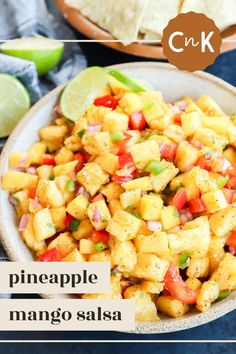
[[191, 41]]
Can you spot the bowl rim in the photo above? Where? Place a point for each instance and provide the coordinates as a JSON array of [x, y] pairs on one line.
[[164, 326]]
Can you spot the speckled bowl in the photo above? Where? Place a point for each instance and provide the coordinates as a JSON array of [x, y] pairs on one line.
[[174, 84]]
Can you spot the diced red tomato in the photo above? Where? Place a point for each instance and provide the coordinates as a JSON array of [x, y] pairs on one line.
[[97, 197], [106, 101], [122, 179], [126, 159], [100, 236], [231, 242], [196, 205], [231, 183], [168, 151], [204, 162], [179, 200], [81, 160], [229, 194], [52, 255], [231, 171], [67, 220], [32, 193], [122, 145], [137, 121], [48, 159], [177, 119], [177, 287]]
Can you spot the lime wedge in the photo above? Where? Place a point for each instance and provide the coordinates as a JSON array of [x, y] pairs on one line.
[[45, 53], [81, 92], [127, 81], [14, 103]]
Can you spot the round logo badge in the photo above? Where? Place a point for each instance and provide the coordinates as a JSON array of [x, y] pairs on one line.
[[191, 41]]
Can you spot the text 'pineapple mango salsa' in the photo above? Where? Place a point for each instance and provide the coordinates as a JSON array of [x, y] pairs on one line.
[[148, 186]]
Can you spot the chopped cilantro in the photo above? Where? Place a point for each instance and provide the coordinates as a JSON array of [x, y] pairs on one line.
[[74, 224], [184, 260], [81, 133], [51, 178], [136, 214]]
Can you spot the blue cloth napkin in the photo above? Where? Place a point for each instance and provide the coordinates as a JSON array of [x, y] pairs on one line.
[[24, 18]]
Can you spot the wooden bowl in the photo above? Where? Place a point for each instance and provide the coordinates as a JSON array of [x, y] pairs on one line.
[[174, 84], [92, 31]]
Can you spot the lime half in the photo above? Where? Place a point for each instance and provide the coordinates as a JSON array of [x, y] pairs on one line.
[[81, 92], [14, 103], [44, 52], [127, 81]]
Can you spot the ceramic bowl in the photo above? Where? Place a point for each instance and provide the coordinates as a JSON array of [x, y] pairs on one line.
[[174, 84]]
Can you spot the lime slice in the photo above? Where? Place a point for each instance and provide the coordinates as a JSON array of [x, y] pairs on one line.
[[81, 92], [45, 53], [127, 81], [14, 103]]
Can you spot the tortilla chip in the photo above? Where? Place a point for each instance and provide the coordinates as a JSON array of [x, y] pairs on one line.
[[223, 12], [157, 15], [121, 18]]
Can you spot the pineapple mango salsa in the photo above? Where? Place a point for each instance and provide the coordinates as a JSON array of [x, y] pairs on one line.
[[146, 185]]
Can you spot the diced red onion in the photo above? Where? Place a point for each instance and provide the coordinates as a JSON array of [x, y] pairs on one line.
[[185, 216], [31, 170], [154, 226], [182, 104], [93, 128], [23, 161], [57, 111], [35, 203], [81, 190], [23, 222], [232, 250], [225, 165], [175, 110], [73, 176], [13, 201], [97, 217], [189, 167]]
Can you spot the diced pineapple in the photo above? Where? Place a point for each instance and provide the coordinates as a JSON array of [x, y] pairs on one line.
[[159, 117], [53, 132], [230, 154], [45, 171], [207, 294], [216, 252], [219, 124], [171, 307], [191, 184], [53, 145], [18, 159], [99, 214], [74, 256], [103, 256], [210, 138], [58, 217], [131, 102], [43, 225], [155, 243], [225, 274], [143, 183], [15, 181], [198, 267], [175, 133], [123, 225], [64, 243], [194, 238], [108, 162], [114, 205], [150, 267], [130, 198], [22, 202], [145, 309], [65, 168], [203, 180], [123, 254], [36, 153], [53, 195], [116, 86], [95, 114], [84, 230], [78, 207], [115, 122], [112, 191], [193, 283], [186, 156], [28, 236], [145, 152], [61, 182], [191, 122], [64, 156], [73, 143], [92, 177], [209, 106], [152, 287], [169, 217], [97, 143], [214, 201], [223, 221], [87, 246], [150, 207], [160, 181]]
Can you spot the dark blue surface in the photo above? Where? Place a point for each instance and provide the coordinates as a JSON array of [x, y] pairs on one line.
[[221, 329]]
